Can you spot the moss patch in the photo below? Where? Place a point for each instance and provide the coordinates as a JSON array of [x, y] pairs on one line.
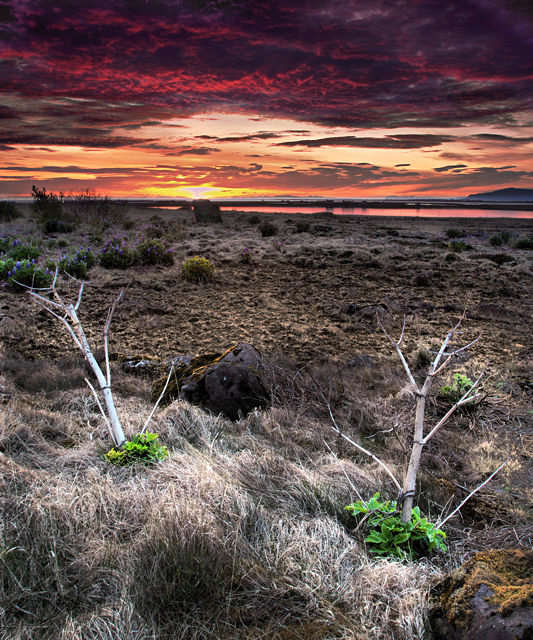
[[508, 573]]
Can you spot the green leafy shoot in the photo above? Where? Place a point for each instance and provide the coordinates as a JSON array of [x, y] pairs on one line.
[[456, 390], [143, 448], [389, 536]]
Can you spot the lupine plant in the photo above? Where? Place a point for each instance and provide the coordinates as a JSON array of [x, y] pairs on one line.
[[246, 255], [6, 265], [26, 273], [116, 254], [20, 250], [152, 251]]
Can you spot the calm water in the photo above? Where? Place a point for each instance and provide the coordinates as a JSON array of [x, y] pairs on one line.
[[358, 211], [421, 213]]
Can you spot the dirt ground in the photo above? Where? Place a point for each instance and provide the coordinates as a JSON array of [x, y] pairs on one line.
[[305, 296]]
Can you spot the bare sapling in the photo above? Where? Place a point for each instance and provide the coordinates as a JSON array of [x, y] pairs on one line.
[[421, 436], [442, 359], [67, 314]]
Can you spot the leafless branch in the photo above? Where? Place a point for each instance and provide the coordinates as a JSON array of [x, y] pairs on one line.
[[465, 399], [337, 429], [159, 399], [440, 524]]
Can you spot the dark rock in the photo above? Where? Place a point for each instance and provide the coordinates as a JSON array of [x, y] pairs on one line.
[[422, 279], [206, 211], [489, 597], [230, 383]]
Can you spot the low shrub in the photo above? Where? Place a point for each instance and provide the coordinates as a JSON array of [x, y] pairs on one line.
[[457, 245], [8, 211], [26, 273], [524, 243], [152, 252], [198, 269], [6, 264], [268, 229], [48, 208], [77, 265], [389, 536], [302, 226], [143, 448], [58, 226], [116, 254], [23, 251], [254, 220], [455, 233], [93, 208], [496, 240], [456, 390]]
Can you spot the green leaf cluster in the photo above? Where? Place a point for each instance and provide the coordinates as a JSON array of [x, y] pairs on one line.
[[143, 448], [389, 536], [455, 391]]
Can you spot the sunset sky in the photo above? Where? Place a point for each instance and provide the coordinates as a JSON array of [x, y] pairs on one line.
[[212, 98]]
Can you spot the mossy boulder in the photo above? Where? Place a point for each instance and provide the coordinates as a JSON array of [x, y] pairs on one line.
[[231, 383], [489, 597]]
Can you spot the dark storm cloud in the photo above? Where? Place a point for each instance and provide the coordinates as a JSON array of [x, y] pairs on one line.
[[496, 137], [402, 141], [86, 123], [354, 63], [198, 151], [449, 167]]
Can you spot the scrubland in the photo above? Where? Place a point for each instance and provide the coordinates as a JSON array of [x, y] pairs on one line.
[[242, 532]]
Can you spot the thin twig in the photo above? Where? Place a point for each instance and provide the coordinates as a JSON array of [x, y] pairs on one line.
[[159, 399], [440, 524], [101, 408], [336, 428], [396, 346], [106, 334], [465, 399]]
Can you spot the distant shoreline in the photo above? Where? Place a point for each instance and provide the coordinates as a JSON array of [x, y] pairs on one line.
[[348, 204], [412, 204]]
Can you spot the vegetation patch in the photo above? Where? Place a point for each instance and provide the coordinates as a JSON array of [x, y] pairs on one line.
[[198, 269], [389, 536], [143, 448], [152, 252], [116, 254], [8, 211], [26, 273], [454, 391]]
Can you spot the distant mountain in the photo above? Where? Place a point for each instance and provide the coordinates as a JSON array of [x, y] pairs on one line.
[[504, 195]]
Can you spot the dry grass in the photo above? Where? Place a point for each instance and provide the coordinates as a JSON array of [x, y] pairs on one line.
[[242, 532], [235, 536]]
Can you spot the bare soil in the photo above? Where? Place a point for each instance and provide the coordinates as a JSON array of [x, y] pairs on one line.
[[308, 296]]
